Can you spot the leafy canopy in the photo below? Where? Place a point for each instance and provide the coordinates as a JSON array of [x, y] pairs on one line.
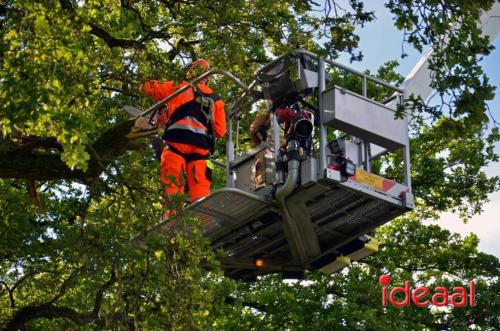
[[66, 69]]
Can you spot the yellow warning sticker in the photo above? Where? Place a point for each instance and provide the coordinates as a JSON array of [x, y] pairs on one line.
[[369, 179]]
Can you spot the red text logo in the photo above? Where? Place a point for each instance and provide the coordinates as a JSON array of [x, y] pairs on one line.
[[422, 296]]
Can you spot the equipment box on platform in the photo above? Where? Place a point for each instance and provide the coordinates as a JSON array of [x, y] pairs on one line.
[[364, 118]]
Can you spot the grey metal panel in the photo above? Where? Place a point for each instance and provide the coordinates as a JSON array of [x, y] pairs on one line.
[[307, 79], [308, 171], [244, 174], [323, 134], [255, 167], [351, 150], [248, 155], [297, 224], [363, 118]]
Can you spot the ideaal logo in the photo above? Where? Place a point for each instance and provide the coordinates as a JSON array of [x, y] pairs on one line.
[[420, 296]]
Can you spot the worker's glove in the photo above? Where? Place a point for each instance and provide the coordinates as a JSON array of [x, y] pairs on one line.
[[141, 128], [259, 126], [261, 133]]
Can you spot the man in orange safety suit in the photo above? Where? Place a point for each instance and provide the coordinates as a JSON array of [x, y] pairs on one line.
[[192, 121]]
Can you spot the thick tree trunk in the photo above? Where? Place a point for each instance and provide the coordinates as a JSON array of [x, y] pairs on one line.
[[40, 159]]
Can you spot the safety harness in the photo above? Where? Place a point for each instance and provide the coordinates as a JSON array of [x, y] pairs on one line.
[[200, 111]]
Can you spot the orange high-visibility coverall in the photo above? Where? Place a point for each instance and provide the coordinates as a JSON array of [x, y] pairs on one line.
[[188, 145]]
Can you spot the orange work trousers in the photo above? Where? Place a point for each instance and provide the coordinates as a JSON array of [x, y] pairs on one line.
[[175, 170]]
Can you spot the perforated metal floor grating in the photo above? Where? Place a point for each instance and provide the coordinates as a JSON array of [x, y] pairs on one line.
[[339, 216], [228, 210], [224, 211], [246, 226]]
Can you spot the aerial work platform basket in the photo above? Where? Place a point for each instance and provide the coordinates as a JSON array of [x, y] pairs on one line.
[[294, 206]]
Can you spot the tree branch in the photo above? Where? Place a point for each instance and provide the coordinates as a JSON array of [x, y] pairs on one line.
[[13, 288], [50, 311], [101, 32], [112, 41], [65, 285], [11, 294]]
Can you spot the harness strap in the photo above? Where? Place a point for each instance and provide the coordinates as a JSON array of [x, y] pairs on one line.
[[192, 108], [201, 108], [202, 100], [188, 157], [212, 96]]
